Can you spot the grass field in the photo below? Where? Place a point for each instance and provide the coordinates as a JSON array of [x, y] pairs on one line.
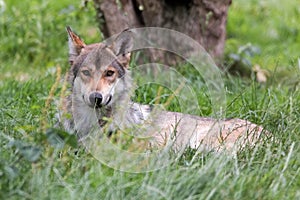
[[33, 44]]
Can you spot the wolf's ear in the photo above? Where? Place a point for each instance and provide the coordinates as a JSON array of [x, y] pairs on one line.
[[75, 45], [122, 46]]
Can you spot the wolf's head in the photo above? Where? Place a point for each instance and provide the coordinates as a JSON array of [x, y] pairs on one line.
[[99, 71]]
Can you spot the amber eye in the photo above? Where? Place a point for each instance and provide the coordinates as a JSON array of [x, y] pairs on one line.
[[109, 73], [86, 72]]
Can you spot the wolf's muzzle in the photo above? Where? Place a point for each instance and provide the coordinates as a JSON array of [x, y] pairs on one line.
[[96, 99]]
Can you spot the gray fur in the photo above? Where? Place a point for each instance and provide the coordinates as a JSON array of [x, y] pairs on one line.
[[162, 126]]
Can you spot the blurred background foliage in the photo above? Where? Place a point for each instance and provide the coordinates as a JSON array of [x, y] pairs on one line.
[[271, 28], [33, 37]]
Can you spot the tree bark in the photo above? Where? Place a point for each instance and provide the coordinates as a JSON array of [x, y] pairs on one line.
[[202, 20]]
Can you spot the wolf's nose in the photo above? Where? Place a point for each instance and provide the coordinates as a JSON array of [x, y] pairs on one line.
[[96, 99]]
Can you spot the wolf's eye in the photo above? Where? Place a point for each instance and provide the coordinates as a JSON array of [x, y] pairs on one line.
[[109, 73], [86, 72]]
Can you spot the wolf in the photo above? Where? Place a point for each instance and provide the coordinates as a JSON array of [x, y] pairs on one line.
[[100, 89]]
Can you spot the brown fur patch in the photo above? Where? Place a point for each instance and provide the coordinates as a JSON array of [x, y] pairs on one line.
[[105, 80]]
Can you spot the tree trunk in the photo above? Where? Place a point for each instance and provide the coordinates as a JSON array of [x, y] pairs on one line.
[[202, 20]]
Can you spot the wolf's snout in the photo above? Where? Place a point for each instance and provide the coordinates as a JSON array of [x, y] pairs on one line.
[[96, 99]]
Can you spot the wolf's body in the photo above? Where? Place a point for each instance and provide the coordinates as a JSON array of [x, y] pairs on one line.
[[100, 97]]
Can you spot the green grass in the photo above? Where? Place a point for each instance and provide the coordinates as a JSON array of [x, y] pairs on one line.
[[33, 42], [270, 25]]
